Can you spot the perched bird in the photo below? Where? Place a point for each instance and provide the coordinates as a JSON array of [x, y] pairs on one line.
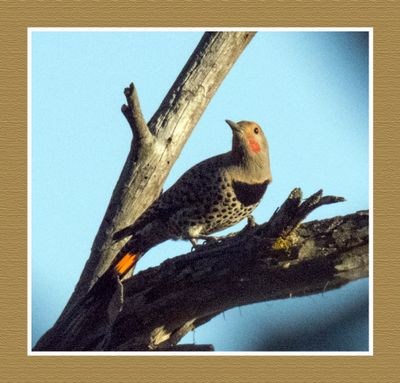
[[211, 196]]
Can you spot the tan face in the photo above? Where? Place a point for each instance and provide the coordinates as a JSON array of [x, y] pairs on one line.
[[250, 136]]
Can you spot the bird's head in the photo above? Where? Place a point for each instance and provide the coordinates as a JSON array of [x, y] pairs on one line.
[[248, 136], [249, 145]]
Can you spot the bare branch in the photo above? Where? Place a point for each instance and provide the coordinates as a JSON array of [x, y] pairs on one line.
[[134, 116], [164, 303]]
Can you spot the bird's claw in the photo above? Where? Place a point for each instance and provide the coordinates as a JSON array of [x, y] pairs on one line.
[[207, 240]]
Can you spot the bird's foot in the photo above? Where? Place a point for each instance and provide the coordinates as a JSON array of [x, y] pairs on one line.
[[208, 240]]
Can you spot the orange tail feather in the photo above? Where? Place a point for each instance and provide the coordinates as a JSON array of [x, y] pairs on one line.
[[126, 263]]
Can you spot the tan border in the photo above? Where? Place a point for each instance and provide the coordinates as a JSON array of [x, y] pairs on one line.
[[16, 16]]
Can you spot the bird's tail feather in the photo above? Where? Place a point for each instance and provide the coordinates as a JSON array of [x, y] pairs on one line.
[[117, 270], [126, 263]]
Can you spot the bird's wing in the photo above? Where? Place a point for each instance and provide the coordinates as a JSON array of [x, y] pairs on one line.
[[157, 210], [162, 208], [181, 195]]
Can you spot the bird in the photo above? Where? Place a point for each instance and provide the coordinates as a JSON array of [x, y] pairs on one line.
[[211, 196]]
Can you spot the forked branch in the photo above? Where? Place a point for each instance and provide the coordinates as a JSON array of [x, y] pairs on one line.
[[134, 116]]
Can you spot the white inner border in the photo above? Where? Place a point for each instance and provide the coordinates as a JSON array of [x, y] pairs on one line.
[[198, 353]]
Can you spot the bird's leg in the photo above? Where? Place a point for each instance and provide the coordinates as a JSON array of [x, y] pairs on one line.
[[208, 239], [205, 238], [193, 241], [195, 246], [251, 222]]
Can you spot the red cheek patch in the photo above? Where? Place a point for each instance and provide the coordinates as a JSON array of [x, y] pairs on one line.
[[254, 146]]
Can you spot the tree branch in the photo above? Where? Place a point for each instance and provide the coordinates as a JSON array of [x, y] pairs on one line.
[[278, 259], [134, 116], [253, 266]]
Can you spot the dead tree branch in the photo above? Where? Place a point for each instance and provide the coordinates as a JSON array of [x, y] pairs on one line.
[[133, 114], [275, 260]]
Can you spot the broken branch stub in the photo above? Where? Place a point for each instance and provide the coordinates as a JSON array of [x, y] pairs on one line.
[[133, 113]]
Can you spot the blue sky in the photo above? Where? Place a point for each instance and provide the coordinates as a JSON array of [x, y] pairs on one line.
[[309, 92]]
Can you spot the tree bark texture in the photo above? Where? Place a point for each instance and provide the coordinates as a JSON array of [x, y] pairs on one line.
[[162, 304], [279, 259]]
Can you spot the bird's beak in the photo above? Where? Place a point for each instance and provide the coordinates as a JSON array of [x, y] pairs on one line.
[[234, 126]]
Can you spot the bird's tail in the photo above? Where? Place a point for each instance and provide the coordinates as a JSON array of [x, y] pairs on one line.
[[124, 263]]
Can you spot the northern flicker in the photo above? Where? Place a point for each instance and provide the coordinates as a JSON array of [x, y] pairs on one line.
[[211, 196]]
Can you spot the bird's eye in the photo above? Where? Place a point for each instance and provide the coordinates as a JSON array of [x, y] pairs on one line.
[[256, 130]]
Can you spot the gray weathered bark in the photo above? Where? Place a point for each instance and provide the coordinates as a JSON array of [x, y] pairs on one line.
[[276, 260], [153, 310]]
